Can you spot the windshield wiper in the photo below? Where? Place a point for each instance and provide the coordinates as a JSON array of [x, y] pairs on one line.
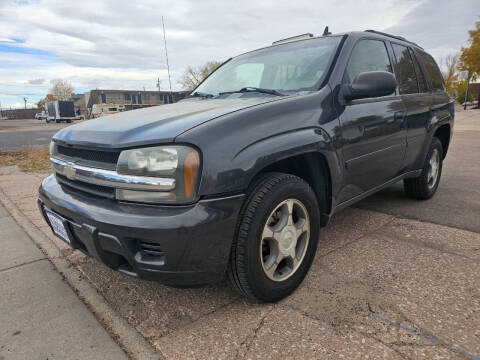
[[254, 89], [201, 94]]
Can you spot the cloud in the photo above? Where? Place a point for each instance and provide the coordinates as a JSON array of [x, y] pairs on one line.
[[441, 27], [36, 81], [119, 43]]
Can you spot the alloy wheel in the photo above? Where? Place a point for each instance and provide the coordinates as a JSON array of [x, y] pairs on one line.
[[285, 240]]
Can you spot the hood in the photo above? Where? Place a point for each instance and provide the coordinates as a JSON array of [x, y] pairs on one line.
[[154, 125]]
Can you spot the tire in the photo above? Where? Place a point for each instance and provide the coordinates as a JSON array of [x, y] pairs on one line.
[[425, 186], [273, 194]]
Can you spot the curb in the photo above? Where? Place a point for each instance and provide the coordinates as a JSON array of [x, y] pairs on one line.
[[129, 339]]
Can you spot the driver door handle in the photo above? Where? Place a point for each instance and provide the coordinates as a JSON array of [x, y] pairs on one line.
[[398, 116]]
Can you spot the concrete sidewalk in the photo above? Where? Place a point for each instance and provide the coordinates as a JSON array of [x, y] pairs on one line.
[[59, 325]]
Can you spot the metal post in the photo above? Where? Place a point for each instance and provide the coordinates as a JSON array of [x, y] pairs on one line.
[[166, 55], [466, 92]]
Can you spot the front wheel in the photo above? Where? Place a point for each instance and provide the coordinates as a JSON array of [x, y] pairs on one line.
[[276, 238], [425, 186]]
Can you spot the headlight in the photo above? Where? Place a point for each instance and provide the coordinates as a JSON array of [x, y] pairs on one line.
[[177, 162]]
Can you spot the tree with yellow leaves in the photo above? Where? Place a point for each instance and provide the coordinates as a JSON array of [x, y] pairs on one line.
[[470, 56]]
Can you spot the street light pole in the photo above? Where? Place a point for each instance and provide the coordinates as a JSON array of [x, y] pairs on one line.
[[466, 92]]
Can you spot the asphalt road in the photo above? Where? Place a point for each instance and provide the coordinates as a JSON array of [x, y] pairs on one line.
[[16, 134], [457, 201], [20, 139]]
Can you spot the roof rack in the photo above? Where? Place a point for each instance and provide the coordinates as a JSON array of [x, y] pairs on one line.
[[393, 36], [293, 38]]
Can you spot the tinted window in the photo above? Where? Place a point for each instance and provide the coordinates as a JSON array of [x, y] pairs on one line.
[[422, 85], [405, 70], [433, 73], [367, 55]]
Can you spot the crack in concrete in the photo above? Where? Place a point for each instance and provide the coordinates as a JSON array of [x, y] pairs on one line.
[[20, 265], [423, 333], [427, 245], [248, 341]]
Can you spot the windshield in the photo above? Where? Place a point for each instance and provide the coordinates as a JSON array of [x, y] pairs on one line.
[[292, 66]]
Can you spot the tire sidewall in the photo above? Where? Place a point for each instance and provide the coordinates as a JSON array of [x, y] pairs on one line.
[[436, 144], [263, 287]]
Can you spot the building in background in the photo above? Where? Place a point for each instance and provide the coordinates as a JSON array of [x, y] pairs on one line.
[[127, 99], [80, 103]]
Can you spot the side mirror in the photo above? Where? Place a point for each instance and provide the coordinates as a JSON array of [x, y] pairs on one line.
[[370, 84]]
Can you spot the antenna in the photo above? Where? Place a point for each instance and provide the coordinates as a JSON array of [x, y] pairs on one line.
[[166, 54], [326, 32]]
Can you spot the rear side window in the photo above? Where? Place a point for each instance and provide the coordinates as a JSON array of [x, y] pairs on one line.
[[433, 73], [367, 55], [422, 85], [405, 70]]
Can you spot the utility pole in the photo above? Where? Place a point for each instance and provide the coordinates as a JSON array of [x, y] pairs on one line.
[[25, 101], [166, 54], [158, 84]]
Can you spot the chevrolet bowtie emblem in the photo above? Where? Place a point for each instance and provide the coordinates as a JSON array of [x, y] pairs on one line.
[[69, 171]]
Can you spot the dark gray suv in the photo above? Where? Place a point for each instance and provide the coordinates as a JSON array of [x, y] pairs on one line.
[[238, 178]]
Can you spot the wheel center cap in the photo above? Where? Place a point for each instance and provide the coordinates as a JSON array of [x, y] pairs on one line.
[[288, 239]]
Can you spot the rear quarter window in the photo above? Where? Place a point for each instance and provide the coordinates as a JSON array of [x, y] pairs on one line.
[[405, 70], [433, 72]]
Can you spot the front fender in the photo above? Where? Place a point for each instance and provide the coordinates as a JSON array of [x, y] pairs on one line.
[[237, 146]]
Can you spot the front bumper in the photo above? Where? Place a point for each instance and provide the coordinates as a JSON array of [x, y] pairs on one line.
[[177, 245]]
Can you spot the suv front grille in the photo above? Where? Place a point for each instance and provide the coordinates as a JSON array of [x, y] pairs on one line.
[[98, 190], [94, 158]]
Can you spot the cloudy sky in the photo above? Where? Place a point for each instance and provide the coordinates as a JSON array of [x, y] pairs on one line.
[[119, 43]]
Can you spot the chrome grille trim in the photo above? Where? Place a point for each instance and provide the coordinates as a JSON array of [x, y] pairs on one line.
[[110, 178]]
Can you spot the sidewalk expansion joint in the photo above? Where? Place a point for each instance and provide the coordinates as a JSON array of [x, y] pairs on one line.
[[23, 264]]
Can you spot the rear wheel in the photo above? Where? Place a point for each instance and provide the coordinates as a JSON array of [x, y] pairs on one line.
[[276, 238], [425, 186]]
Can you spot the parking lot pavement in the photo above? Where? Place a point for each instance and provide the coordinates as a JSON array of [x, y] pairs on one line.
[[457, 201], [40, 315]]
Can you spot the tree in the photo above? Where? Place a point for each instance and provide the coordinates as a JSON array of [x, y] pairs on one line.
[[47, 98], [62, 90], [449, 65], [193, 76], [470, 56]]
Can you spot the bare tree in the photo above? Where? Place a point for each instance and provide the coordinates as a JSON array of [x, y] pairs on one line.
[[62, 90], [449, 65], [195, 75]]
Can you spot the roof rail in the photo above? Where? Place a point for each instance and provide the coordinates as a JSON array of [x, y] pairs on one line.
[[293, 38], [393, 36]]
